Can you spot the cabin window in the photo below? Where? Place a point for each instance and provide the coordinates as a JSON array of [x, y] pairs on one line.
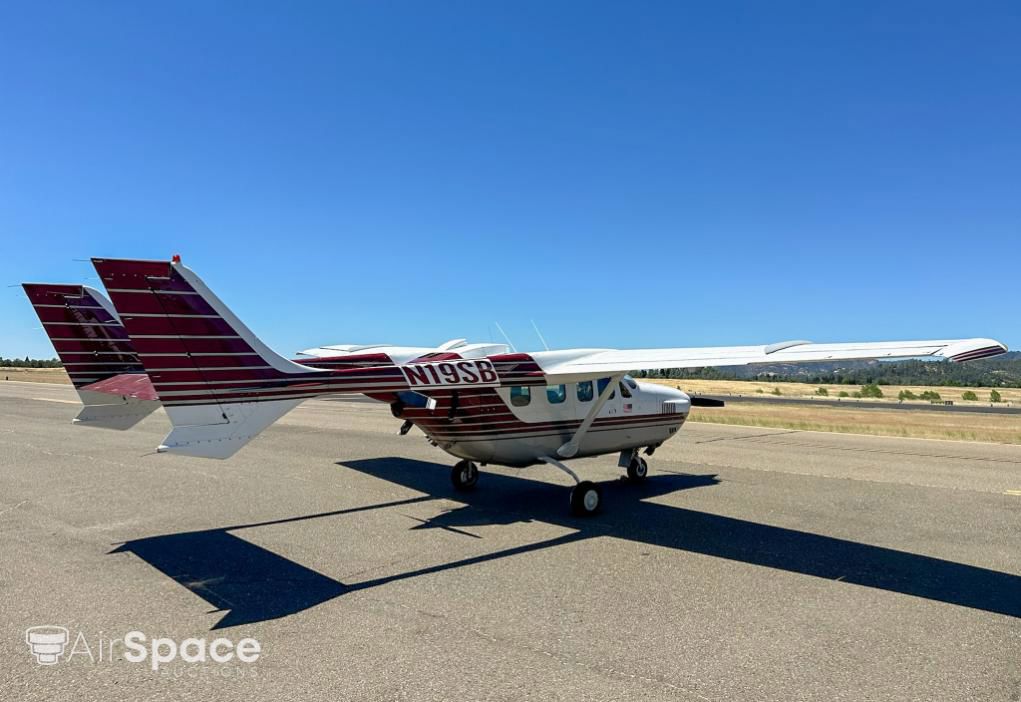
[[630, 382], [556, 394], [413, 399], [624, 391], [585, 391], [520, 396], [601, 385]]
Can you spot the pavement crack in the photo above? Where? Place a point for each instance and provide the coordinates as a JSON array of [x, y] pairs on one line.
[[11, 509], [747, 436]]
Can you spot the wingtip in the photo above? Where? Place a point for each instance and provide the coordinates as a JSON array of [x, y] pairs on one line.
[[980, 348]]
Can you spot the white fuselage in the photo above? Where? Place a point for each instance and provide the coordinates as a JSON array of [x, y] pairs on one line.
[[531, 423]]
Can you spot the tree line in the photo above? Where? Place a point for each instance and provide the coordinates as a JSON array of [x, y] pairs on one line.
[[27, 362]]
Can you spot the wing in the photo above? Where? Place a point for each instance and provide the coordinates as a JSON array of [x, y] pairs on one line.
[[403, 354], [579, 364]]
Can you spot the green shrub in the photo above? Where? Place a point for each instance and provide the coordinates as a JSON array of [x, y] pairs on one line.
[[871, 390], [857, 394], [842, 393], [930, 395], [969, 395], [776, 391], [995, 396], [822, 391], [759, 390], [906, 395]]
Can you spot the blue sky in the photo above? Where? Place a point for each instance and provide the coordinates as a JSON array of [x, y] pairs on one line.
[[626, 174]]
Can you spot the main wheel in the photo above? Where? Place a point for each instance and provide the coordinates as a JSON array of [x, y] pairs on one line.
[[464, 475], [637, 469], [585, 499]]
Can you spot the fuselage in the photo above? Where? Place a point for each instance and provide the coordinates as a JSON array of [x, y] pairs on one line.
[[515, 425]]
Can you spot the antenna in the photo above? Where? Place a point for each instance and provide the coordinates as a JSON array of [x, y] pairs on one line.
[[509, 342], [539, 334]]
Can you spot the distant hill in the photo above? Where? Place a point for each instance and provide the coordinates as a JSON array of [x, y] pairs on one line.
[[1002, 371]]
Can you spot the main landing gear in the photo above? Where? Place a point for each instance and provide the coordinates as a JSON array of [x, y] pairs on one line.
[[464, 475], [586, 497]]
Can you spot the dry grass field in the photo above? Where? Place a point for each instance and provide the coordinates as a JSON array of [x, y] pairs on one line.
[[805, 390], [956, 426], [959, 426], [35, 375]]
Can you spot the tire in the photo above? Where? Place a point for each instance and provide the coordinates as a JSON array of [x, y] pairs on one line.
[[637, 469], [464, 475], [586, 499]]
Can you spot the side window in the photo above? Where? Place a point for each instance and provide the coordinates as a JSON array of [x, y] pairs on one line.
[[556, 394], [630, 382], [520, 396], [601, 385], [585, 391], [624, 391]]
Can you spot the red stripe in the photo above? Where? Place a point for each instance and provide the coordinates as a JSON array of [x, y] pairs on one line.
[[148, 302], [978, 353], [185, 326], [186, 346], [74, 314]]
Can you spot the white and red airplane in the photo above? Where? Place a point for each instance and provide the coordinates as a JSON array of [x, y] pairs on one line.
[[168, 340]]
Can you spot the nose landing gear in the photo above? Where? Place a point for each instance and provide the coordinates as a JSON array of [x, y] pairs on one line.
[[637, 469], [635, 465], [464, 475]]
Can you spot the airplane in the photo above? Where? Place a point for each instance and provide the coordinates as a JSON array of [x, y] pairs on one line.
[[220, 385]]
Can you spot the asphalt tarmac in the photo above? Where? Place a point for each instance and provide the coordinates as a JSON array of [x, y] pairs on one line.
[[753, 564]]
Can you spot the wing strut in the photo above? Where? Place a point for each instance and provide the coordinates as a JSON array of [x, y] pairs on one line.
[[569, 449]]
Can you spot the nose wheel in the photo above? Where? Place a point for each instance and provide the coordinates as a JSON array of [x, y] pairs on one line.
[[464, 475], [637, 469]]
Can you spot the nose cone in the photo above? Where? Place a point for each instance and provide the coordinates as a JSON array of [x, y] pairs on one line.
[[673, 400]]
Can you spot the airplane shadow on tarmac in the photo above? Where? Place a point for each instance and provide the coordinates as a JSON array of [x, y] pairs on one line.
[[255, 584]]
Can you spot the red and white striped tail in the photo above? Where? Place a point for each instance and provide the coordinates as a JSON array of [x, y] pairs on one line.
[[85, 331], [96, 352], [219, 383]]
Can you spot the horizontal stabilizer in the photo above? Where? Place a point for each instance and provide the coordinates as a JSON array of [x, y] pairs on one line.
[[120, 414], [218, 431], [119, 402], [133, 385]]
